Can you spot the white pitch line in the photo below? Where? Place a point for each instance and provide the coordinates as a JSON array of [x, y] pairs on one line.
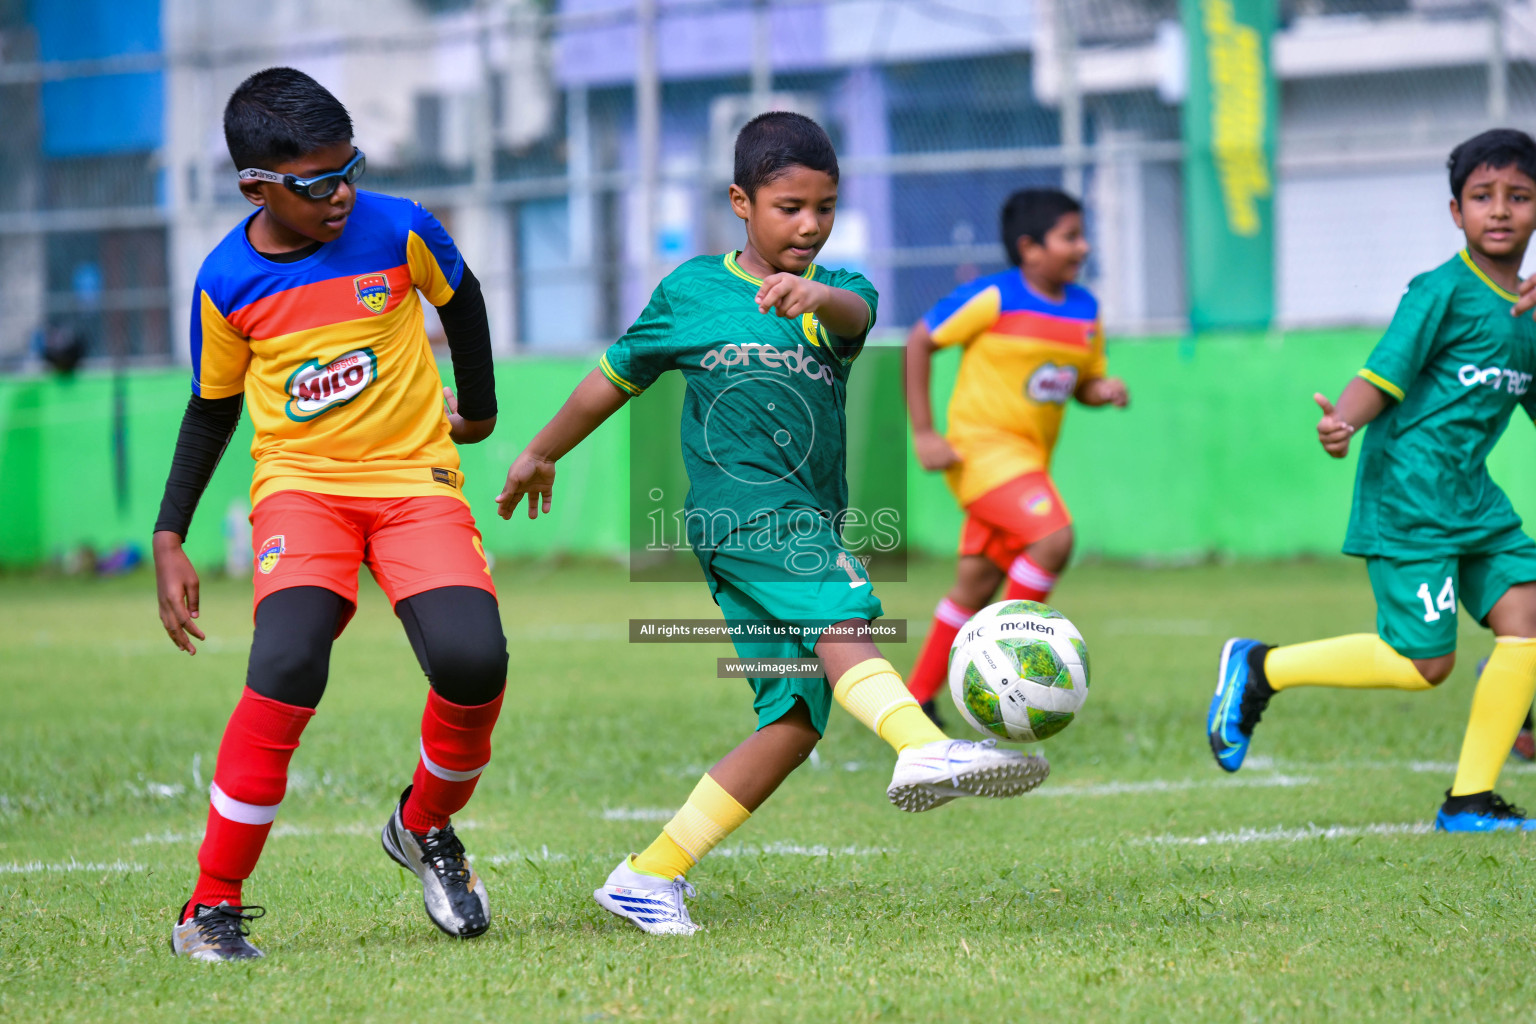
[[1286, 835], [1422, 766], [357, 828], [519, 856], [37, 867], [638, 814], [1449, 767], [1174, 785], [546, 855], [799, 850]]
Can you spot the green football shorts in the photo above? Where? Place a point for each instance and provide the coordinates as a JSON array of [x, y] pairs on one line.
[[795, 574], [1416, 599]]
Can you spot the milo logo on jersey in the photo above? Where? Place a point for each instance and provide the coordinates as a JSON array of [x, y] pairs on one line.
[[796, 361], [1052, 383], [315, 388]]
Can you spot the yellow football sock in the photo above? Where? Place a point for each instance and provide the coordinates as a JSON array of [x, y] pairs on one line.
[[709, 816], [1357, 661], [873, 693], [1499, 704]]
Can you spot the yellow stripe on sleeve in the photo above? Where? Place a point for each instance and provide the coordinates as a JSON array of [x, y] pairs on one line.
[[1382, 383], [426, 274], [225, 356], [978, 313], [619, 382]]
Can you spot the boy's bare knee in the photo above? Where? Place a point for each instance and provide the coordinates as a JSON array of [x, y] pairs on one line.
[[1435, 670], [1514, 614], [976, 582], [1053, 551]]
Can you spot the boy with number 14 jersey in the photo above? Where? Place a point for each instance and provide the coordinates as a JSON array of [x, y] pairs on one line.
[[1438, 391]]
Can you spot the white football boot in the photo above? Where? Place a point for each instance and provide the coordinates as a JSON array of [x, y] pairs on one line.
[[936, 773], [654, 905]]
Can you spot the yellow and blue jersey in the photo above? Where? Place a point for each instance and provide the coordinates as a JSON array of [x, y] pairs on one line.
[[1024, 358], [332, 355]]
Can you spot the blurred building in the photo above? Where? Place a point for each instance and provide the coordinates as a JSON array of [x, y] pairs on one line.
[[578, 152]]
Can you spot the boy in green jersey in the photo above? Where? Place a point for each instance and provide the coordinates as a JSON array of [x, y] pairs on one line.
[[765, 339], [1433, 527]]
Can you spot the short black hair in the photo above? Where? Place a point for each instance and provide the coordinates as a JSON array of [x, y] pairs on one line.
[[1031, 213], [772, 142], [281, 114], [1495, 149]]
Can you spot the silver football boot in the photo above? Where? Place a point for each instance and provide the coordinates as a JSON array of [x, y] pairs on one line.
[[216, 934], [454, 895]]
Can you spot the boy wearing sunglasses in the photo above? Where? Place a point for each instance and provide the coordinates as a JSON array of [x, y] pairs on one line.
[[308, 312]]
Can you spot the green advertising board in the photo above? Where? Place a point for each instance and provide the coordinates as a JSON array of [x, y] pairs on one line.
[[1230, 111]]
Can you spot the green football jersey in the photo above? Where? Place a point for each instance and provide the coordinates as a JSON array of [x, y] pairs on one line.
[[763, 424], [1457, 364]]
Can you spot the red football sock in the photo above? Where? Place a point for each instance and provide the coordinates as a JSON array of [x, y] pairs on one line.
[[1028, 582], [455, 748], [248, 786], [928, 675]]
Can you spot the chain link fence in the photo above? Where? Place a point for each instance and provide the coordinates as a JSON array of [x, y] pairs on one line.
[[578, 152]]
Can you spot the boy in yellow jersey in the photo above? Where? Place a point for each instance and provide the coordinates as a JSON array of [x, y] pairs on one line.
[[765, 339], [1032, 342], [1438, 391], [308, 313]]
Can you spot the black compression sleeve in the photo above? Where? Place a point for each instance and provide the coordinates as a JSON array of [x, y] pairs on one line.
[[206, 428], [469, 343]]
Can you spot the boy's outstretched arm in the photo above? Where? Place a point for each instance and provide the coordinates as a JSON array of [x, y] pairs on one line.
[[1360, 403], [533, 472], [840, 311], [933, 451]]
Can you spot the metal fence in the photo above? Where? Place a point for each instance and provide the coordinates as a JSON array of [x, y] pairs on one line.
[[577, 153]]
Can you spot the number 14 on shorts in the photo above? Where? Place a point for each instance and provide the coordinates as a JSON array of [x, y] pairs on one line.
[[1444, 601]]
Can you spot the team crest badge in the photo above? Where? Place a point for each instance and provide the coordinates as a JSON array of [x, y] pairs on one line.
[[372, 291], [1038, 504], [270, 551], [812, 329]]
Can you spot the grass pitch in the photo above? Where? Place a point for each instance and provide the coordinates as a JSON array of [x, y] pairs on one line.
[[1139, 883]]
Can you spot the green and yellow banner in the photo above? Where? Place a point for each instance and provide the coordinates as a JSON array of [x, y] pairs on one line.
[[1230, 112]]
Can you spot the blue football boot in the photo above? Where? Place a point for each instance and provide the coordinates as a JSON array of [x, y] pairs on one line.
[[1485, 812], [1240, 699]]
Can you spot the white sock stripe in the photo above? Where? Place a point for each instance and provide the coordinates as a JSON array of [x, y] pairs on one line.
[[1031, 575], [951, 614], [899, 702], [243, 813], [446, 774]]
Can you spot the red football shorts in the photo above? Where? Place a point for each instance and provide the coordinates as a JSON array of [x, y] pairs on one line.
[[303, 539], [1000, 524]]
